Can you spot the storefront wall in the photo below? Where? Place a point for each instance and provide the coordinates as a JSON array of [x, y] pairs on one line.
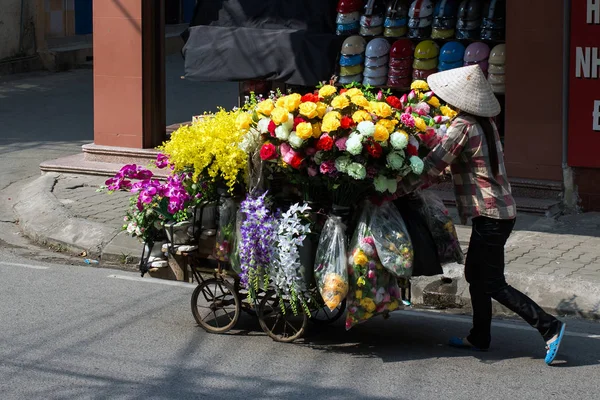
[[533, 126]]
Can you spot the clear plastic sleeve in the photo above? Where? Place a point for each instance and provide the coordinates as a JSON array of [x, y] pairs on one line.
[[225, 234], [392, 240], [330, 264], [373, 289]]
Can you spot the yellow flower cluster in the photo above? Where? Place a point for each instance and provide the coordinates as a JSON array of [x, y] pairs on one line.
[[420, 85], [210, 145]]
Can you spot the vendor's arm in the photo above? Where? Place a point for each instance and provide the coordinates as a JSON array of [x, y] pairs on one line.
[[439, 158]]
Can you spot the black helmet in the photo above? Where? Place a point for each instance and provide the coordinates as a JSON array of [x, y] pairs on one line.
[[469, 10]]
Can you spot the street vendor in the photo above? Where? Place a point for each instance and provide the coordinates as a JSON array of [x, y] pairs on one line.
[[472, 149]]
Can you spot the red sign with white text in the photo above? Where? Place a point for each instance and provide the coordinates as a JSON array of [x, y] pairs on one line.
[[584, 81]]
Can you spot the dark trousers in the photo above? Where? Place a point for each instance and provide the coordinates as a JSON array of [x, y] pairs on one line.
[[484, 270]]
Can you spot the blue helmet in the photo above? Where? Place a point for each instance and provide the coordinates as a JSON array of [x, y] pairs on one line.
[[452, 52], [445, 9], [444, 66]]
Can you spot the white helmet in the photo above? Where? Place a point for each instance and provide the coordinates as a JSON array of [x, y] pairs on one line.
[[421, 9]]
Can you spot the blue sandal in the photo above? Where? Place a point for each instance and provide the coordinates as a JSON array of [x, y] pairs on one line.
[[553, 344], [461, 343]]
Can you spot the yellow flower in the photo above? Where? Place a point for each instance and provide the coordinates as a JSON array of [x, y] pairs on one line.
[[434, 101], [393, 305], [381, 109], [360, 116], [340, 102], [381, 133], [327, 91], [419, 85], [358, 294], [265, 107], [420, 124], [360, 101], [316, 130], [353, 92], [279, 115], [309, 110], [331, 121], [304, 130], [280, 102], [292, 102], [321, 109], [368, 304], [367, 316], [243, 121], [360, 258], [360, 282], [448, 112], [389, 124]]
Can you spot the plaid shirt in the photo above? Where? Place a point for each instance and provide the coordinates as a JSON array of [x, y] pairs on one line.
[[478, 193]]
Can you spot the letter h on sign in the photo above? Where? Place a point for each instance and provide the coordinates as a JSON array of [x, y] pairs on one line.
[[593, 12]]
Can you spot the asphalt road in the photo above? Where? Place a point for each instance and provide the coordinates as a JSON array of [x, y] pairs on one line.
[[76, 332]]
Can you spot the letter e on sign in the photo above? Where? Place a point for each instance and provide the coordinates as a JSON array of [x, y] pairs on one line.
[[596, 114]]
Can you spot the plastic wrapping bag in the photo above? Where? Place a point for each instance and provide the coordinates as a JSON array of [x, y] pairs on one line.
[[225, 233], [392, 240], [442, 228], [373, 289], [234, 258], [330, 263]]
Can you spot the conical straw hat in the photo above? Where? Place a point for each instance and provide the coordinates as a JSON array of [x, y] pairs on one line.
[[466, 89]]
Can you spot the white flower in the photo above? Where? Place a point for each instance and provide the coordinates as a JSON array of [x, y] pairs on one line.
[[380, 183], [417, 165], [399, 140], [289, 124], [342, 163], [131, 227], [412, 140], [366, 128], [282, 132], [263, 125], [392, 185], [354, 145], [295, 141]]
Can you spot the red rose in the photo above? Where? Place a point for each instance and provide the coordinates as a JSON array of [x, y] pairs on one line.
[[297, 121], [394, 102], [346, 122], [342, 91], [310, 98], [375, 150], [268, 151], [272, 128], [412, 150], [296, 161], [325, 142]]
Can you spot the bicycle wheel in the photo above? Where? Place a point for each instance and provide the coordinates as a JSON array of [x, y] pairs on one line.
[[324, 316], [281, 325], [216, 305]]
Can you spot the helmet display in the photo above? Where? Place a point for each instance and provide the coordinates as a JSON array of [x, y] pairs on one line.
[[397, 10], [347, 29], [349, 6], [353, 70], [422, 74], [395, 32], [431, 63], [494, 79], [371, 21], [464, 24], [470, 10], [476, 52], [498, 55], [348, 18], [353, 45], [349, 61], [376, 72], [403, 82], [379, 81], [400, 72], [421, 9], [372, 31], [402, 48], [445, 66], [494, 10], [377, 61], [378, 48], [492, 34], [452, 52], [445, 9], [484, 65], [496, 69], [444, 23], [498, 89], [420, 22], [419, 33], [404, 63], [442, 33], [427, 49], [464, 34], [344, 80]]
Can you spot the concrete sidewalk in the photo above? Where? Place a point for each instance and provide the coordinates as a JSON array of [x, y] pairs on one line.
[[556, 262]]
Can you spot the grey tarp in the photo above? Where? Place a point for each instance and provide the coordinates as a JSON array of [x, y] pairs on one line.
[[290, 41]]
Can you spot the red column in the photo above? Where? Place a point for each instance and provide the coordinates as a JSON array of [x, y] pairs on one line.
[[129, 73]]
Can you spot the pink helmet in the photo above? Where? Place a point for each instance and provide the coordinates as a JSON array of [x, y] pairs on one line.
[[484, 65], [476, 52]]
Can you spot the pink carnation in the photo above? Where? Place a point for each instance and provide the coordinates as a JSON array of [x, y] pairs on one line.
[[341, 143], [407, 120], [328, 167]]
